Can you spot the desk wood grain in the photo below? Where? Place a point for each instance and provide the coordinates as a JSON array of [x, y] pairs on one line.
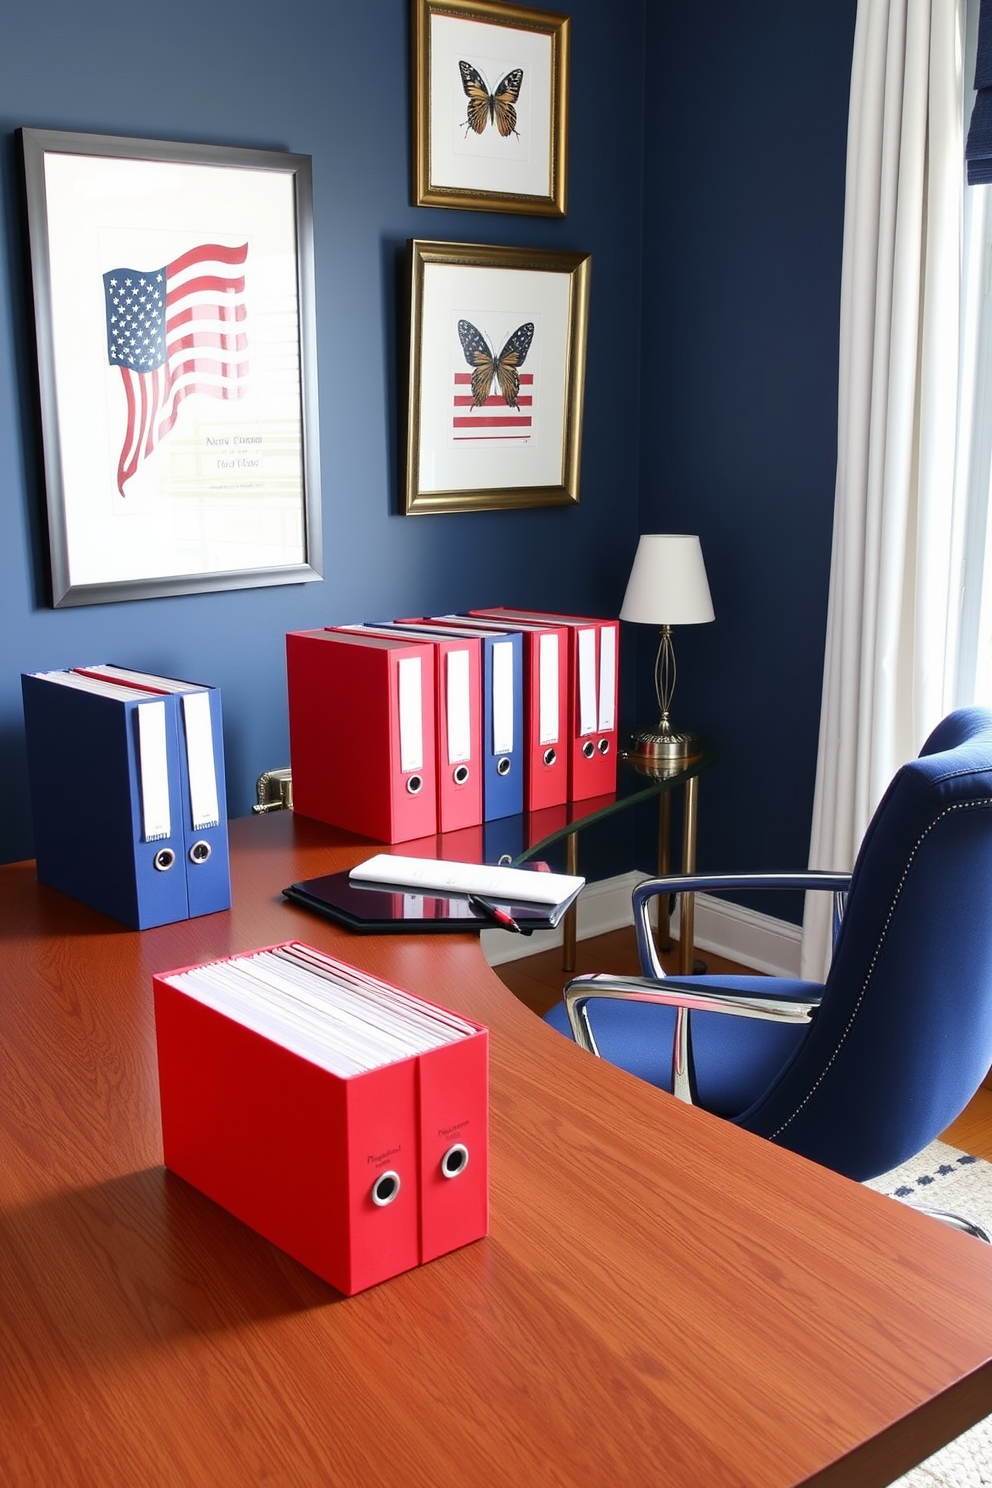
[[662, 1299]]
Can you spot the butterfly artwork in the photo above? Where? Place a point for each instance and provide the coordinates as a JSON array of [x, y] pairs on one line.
[[495, 108], [504, 370]]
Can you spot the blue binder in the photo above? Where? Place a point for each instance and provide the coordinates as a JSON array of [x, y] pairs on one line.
[[208, 867], [502, 712], [504, 839], [110, 776]]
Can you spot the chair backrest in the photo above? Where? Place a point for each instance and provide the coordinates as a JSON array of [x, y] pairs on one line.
[[903, 1038]]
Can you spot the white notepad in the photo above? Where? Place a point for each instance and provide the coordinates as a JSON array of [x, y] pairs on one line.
[[509, 885]]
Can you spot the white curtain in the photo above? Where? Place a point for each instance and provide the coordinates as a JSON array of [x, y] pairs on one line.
[[893, 600]]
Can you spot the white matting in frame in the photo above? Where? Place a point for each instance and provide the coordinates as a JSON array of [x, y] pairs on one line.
[[490, 448], [173, 297], [517, 162]]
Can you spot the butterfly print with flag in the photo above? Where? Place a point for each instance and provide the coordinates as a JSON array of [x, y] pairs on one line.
[[479, 413], [175, 332]]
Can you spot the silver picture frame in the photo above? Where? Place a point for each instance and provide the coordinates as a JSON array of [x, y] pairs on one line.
[[173, 288]]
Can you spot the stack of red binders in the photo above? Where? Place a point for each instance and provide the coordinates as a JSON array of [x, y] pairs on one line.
[[440, 724]]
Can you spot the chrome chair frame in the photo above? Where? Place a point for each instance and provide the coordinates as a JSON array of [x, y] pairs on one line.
[[676, 993], [959, 1222]]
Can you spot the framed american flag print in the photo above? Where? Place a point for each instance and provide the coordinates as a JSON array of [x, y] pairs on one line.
[[497, 371], [173, 296]]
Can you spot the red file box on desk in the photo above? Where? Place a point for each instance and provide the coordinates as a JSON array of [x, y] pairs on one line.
[[361, 733], [358, 1177]]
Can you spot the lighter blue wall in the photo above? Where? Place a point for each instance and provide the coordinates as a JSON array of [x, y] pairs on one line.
[[327, 78], [732, 324]]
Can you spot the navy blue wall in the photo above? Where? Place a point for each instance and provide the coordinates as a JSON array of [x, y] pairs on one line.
[[744, 201], [716, 261]]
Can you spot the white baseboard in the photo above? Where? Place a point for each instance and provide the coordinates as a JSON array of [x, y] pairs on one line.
[[755, 940]]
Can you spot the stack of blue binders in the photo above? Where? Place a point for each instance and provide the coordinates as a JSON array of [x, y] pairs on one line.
[[126, 773]]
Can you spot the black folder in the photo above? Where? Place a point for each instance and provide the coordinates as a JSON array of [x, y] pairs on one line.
[[375, 911]]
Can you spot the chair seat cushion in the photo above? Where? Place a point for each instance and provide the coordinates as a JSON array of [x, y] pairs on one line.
[[736, 1059]]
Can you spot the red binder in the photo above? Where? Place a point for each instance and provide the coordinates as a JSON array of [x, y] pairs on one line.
[[306, 1157], [592, 696], [546, 652], [457, 724], [453, 1132], [361, 732]]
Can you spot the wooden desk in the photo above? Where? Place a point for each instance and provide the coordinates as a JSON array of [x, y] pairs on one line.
[[663, 1299]]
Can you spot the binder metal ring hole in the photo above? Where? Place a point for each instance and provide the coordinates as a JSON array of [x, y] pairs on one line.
[[414, 784], [455, 1160], [503, 766], [588, 749], [199, 852], [604, 746], [461, 774], [550, 755], [385, 1188], [164, 859]]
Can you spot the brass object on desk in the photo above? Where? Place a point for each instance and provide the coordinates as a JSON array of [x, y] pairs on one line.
[[274, 790], [662, 755]]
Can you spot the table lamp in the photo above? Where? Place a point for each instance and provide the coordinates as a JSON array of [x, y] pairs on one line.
[[667, 586]]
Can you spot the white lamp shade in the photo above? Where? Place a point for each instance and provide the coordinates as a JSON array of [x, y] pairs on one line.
[[667, 584]]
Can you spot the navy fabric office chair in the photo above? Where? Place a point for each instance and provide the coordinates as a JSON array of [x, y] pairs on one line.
[[862, 1072]]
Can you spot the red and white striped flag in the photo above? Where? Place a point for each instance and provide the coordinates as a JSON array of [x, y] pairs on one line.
[[496, 419], [175, 332]]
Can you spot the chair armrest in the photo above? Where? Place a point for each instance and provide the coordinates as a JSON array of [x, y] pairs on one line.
[[684, 996], [674, 993], [695, 883]]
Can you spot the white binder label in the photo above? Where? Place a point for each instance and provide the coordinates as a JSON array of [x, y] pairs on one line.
[[549, 724], [411, 714], [203, 801], [503, 697], [458, 704], [153, 768], [588, 714], [607, 679]]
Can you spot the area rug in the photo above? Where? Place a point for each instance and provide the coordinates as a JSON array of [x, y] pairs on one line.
[[941, 1177]]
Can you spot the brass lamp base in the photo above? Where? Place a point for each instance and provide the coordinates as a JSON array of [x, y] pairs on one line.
[[658, 748]]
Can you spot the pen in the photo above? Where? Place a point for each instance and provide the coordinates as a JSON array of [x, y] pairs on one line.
[[494, 913]]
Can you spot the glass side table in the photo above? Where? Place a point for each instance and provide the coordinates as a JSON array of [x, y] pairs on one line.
[[530, 835]]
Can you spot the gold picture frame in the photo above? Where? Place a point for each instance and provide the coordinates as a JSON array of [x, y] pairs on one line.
[[497, 374], [504, 150]]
